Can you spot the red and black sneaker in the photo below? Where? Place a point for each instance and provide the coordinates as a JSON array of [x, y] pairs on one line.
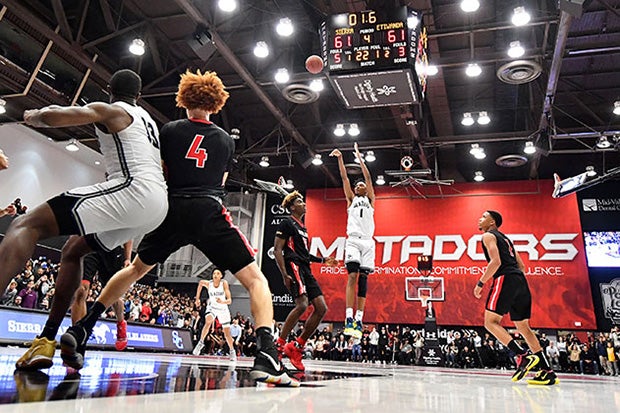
[[280, 348], [294, 351], [121, 335]]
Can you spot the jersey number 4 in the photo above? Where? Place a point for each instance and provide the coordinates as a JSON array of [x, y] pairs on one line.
[[196, 152]]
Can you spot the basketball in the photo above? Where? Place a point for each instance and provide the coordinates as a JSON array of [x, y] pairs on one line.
[[314, 64]]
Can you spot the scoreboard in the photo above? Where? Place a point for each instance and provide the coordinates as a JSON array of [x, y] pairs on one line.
[[370, 40], [376, 57]]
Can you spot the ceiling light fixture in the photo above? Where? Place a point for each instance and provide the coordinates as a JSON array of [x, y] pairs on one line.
[[285, 27], [370, 156], [603, 142], [483, 118], [317, 160], [478, 177], [339, 130], [72, 146], [2, 106], [431, 70], [380, 180], [529, 148], [288, 184], [235, 133], [353, 130], [520, 17], [467, 119], [473, 70], [227, 5], [590, 171], [617, 107], [282, 75], [516, 50], [470, 6], [412, 22], [264, 162], [261, 49], [137, 47], [316, 85], [477, 151], [97, 162]]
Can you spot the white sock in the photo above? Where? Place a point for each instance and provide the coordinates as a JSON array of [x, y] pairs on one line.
[[349, 312], [359, 315]]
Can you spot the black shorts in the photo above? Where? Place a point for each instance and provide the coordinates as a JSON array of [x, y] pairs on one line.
[[303, 281], [510, 293], [204, 223], [106, 264]]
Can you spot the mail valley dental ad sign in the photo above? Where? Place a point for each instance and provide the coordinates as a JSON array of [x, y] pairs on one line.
[[545, 231]]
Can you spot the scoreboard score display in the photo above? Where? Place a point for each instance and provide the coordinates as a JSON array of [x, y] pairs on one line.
[[375, 42]]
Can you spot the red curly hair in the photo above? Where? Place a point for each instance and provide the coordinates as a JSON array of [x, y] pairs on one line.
[[201, 91]]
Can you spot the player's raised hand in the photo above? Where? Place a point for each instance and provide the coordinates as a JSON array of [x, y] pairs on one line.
[[336, 153]]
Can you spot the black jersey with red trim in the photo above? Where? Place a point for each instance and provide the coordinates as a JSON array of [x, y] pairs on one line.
[[295, 234], [196, 154], [509, 264]]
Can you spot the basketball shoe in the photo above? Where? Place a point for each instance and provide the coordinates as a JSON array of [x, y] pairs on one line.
[[280, 349], [268, 369], [349, 327], [73, 346], [38, 356], [525, 363], [199, 346], [294, 352], [358, 328], [121, 335], [544, 378]]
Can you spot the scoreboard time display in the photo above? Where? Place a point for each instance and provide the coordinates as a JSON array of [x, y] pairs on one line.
[[370, 40]]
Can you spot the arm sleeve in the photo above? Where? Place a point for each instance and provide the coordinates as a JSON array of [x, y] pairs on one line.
[[284, 229]]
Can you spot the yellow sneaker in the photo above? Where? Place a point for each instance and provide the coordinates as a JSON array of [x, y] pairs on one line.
[[39, 355]]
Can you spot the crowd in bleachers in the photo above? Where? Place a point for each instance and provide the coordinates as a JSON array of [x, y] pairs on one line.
[[598, 353]]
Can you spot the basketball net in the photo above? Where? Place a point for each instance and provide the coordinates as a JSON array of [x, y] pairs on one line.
[[424, 297]]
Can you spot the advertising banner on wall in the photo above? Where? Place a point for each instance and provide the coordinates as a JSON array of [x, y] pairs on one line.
[[546, 232]]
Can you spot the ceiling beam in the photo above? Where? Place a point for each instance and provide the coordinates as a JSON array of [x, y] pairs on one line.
[[74, 50], [61, 19], [552, 84], [107, 15], [238, 66], [112, 35]]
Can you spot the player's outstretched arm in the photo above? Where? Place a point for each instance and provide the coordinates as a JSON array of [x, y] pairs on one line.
[[346, 185], [366, 173], [60, 116]]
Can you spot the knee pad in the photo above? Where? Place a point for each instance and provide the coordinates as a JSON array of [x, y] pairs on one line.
[[353, 267], [362, 284]]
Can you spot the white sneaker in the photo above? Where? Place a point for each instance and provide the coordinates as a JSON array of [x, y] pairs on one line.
[[198, 348], [233, 356]]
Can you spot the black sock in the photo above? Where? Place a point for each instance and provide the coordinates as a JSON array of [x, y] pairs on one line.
[[50, 330], [516, 348], [264, 338], [91, 318], [543, 364]]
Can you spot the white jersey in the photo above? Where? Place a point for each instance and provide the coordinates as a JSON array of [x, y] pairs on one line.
[[361, 220], [217, 292], [134, 151]]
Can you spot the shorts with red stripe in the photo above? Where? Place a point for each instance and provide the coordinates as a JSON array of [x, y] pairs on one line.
[[203, 222], [510, 294], [303, 281]]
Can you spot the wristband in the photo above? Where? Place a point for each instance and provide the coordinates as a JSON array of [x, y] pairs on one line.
[[480, 284], [323, 260]]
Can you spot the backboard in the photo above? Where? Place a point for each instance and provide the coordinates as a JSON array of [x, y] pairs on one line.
[[424, 289], [271, 187]]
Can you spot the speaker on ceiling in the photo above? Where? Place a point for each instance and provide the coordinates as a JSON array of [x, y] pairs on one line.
[[201, 43]]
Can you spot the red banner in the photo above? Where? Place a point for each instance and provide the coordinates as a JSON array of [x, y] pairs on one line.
[[545, 231]]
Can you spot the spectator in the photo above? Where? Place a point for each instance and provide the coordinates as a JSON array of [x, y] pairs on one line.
[[563, 350], [29, 296], [17, 302], [553, 355], [574, 358], [8, 298], [612, 359]]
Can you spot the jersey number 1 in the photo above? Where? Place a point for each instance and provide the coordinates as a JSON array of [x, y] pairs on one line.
[[196, 152]]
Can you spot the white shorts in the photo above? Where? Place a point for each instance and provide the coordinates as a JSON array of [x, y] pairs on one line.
[[223, 315], [361, 251], [112, 212]]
